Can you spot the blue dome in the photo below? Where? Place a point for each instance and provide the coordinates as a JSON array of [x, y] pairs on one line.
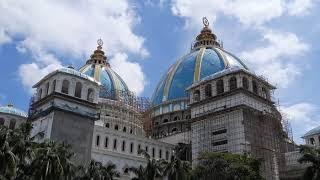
[[192, 68], [112, 86], [9, 109]]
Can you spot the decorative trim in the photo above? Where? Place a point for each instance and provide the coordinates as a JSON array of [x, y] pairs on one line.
[[197, 69]]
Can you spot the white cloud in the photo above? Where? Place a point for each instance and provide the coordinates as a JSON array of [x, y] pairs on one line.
[[302, 117], [131, 72], [276, 59], [299, 7], [51, 29]]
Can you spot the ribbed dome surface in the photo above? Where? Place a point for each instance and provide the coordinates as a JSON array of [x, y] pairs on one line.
[[9, 109], [191, 68]]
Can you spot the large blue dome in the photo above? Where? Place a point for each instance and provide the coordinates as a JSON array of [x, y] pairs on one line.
[[112, 86], [193, 67]]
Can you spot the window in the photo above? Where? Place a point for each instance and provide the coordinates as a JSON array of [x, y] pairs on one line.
[[176, 118], [124, 129], [196, 95], [254, 87], [123, 145], [188, 117], [107, 125], [153, 152], [40, 94], [165, 120], [220, 86], [47, 88], [131, 131], [2, 121], [264, 93], [65, 87], [12, 124], [97, 140], [312, 141], [90, 95], [217, 143], [54, 85], [219, 132], [115, 144], [167, 155], [208, 90], [147, 149], [160, 153], [233, 83], [126, 171], [116, 127], [131, 148], [138, 150], [245, 83], [174, 130], [78, 90], [106, 142]]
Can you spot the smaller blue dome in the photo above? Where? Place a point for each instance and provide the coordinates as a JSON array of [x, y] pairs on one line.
[[9, 109], [313, 131]]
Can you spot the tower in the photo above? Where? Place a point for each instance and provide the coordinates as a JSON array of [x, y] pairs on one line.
[[65, 108]]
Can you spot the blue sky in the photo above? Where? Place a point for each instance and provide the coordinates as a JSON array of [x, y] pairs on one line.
[[275, 38]]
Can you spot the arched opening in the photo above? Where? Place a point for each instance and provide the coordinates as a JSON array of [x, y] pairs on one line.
[[146, 148], [208, 90], [131, 131], [165, 120], [245, 83], [2, 121], [123, 145], [90, 95], [65, 87], [153, 152], [106, 142], [40, 93], [188, 117], [124, 129], [54, 85], [254, 87], [126, 171], [264, 92], [167, 155], [233, 83], [97, 140], [78, 90], [115, 144], [160, 153], [47, 88], [131, 147], [174, 130], [312, 141], [107, 125], [12, 124], [220, 86], [196, 95], [139, 149], [176, 118], [116, 127]]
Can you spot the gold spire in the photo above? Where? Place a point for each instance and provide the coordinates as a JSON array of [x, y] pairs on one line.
[[98, 56], [206, 37]]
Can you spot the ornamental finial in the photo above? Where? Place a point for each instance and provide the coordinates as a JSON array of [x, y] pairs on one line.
[[205, 21], [100, 42]]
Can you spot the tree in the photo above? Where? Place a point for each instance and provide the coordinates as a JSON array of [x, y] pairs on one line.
[[96, 171], [310, 155], [8, 160], [177, 169]]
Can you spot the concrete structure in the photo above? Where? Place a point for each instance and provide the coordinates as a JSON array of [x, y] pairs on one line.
[[312, 137], [12, 117]]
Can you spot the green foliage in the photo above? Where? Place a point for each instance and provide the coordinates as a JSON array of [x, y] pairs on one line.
[[310, 155], [226, 166]]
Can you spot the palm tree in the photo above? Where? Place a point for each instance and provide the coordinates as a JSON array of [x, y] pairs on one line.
[[109, 171], [139, 172], [177, 169], [8, 160], [310, 155], [96, 171]]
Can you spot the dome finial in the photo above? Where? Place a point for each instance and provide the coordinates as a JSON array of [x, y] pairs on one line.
[[98, 56], [205, 21]]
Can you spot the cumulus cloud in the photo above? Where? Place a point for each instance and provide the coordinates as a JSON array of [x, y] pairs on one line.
[[50, 29], [131, 72], [275, 59], [299, 7], [302, 115]]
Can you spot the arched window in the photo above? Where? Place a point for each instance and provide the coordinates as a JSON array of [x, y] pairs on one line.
[[196, 95], [47, 88], [160, 153], [146, 148], [54, 85], [153, 152], [131, 131], [90, 95], [40, 93], [208, 90], [233, 83], [106, 142], [2, 121], [264, 92], [165, 120], [131, 148], [254, 87], [97, 140], [115, 144], [124, 129], [107, 125], [312, 141], [116, 127], [188, 117], [245, 83], [139, 149], [65, 87], [220, 86], [123, 145], [174, 130], [167, 155], [126, 171], [176, 118], [12, 124], [78, 90]]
